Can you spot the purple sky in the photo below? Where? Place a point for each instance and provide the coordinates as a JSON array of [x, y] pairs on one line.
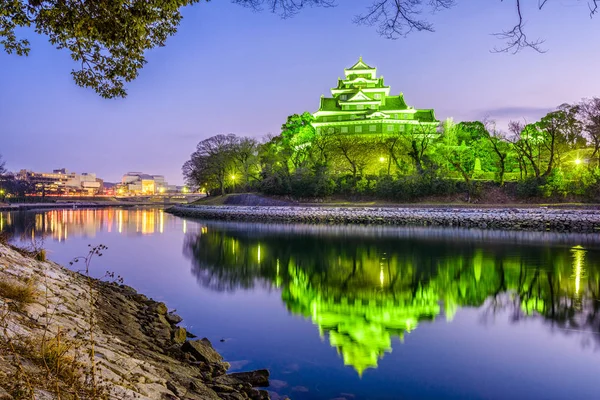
[[229, 70]]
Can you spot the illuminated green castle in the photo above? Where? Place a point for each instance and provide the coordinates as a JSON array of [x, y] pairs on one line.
[[361, 104]]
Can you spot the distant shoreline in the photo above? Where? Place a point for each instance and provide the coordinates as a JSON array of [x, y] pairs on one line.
[[541, 219], [76, 205]]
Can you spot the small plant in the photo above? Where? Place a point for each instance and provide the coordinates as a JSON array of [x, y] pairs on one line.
[[92, 378], [22, 293]]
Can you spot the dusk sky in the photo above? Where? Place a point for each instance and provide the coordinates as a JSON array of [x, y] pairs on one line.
[[229, 70]]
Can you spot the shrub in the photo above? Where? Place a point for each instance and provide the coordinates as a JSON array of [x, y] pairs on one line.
[[22, 293], [529, 187]]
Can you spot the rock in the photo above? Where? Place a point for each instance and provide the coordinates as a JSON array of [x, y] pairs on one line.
[[179, 335], [258, 378], [202, 350], [236, 396], [173, 318], [160, 308], [222, 388], [157, 308], [171, 386]]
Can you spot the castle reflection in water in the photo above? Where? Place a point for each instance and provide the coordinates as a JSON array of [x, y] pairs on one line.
[[59, 224]]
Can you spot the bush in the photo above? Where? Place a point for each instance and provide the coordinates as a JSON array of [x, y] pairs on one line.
[[22, 293], [529, 187]]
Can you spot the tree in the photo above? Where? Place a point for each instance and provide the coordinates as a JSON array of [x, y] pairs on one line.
[[212, 163], [298, 134], [457, 152], [354, 152], [245, 155], [2, 166], [589, 114], [500, 148], [108, 38]]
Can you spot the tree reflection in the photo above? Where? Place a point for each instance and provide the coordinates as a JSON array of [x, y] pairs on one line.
[[363, 290]]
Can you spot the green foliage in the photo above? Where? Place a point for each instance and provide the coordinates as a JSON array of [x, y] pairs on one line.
[[107, 38]]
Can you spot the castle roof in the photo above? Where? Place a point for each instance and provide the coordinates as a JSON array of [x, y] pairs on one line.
[[360, 65]]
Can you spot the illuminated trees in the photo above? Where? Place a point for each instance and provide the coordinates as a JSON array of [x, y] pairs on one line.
[[354, 152], [500, 147], [212, 163], [589, 113]]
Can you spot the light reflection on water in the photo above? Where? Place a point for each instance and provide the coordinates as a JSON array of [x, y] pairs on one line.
[[407, 312]]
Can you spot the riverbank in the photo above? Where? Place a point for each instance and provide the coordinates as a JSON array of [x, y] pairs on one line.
[[52, 319], [529, 219]]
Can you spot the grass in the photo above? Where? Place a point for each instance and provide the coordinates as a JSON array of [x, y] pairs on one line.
[[22, 293], [212, 200]]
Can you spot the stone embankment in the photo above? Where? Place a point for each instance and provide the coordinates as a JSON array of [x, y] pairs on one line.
[[51, 318], [530, 219]]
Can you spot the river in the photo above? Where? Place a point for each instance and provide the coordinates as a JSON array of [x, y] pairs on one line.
[[340, 312]]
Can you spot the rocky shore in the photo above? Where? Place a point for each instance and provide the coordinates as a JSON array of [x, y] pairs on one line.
[[63, 336], [525, 219]]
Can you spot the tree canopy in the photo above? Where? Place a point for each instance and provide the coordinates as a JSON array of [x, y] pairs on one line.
[[109, 38]]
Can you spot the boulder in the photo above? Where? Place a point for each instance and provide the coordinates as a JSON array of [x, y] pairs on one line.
[[179, 335], [159, 308], [173, 318], [202, 350], [258, 378]]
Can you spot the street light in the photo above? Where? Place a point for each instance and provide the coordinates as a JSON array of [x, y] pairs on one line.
[[233, 180], [577, 161], [381, 159]]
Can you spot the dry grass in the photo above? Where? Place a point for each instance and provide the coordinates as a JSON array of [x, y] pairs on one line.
[[22, 293]]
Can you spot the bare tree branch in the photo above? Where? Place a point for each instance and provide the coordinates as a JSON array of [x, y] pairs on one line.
[[398, 18], [515, 38], [284, 8]]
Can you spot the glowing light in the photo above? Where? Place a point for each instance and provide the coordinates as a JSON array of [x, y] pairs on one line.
[[381, 159], [259, 253], [578, 262], [577, 161], [161, 225], [184, 226], [232, 177]]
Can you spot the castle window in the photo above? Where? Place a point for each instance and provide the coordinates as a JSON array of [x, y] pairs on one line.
[[372, 128], [395, 116], [339, 118], [378, 96], [390, 128], [360, 107], [353, 116], [401, 128], [344, 129], [404, 116], [343, 97], [358, 129]]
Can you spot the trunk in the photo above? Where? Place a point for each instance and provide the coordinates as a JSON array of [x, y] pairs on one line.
[[414, 154], [501, 175], [551, 161]]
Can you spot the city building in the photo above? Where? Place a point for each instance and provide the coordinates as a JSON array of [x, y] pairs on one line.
[[362, 104], [62, 182], [141, 183]]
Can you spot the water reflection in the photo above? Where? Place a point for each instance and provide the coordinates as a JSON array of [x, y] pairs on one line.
[[59, 224], [362, 287]]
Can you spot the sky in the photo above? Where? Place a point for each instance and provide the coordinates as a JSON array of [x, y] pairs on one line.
[[231, 70]]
